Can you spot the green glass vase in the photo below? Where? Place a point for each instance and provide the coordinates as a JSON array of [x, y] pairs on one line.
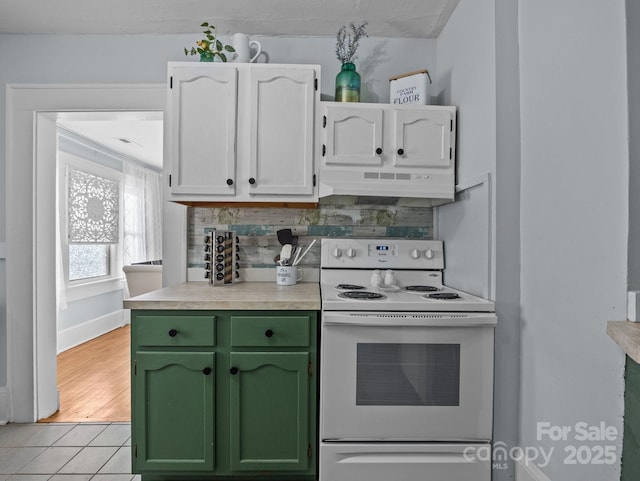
[[348, 84], [206, 57]]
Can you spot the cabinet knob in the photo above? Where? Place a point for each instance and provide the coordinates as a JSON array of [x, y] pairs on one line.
[[378, 151], [173, 333], [233, 370], [252, 181], [229, 181], [400, 151], [206, 371], [268, 333]]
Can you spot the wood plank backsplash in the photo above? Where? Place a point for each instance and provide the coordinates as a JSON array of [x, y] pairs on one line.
[[257, 227]]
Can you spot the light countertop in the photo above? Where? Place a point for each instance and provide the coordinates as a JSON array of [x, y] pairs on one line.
[[243, 295], [627, 336]]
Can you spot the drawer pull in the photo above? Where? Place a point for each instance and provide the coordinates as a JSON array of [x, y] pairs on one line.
[[233, 370], [400, 151], [173, 333], [379, 151], [206, 371], [268, 333]]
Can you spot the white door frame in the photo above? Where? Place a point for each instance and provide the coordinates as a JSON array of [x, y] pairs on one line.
[[30, 286]]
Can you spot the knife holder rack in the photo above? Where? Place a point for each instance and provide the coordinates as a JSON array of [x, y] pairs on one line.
[[221, 258]]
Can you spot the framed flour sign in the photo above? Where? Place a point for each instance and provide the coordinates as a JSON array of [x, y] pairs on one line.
[[410, 88]]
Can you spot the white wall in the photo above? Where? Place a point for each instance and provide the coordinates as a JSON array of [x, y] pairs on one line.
[[478, 72], [574, 211], [142, 59]]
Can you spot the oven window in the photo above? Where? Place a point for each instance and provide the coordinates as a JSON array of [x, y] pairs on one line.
[[408, 374]]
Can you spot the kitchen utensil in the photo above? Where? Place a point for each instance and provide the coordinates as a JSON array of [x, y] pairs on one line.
[[285, 254], [285, 236], [304, 253]]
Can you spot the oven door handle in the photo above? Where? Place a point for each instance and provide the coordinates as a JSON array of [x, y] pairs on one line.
[[409, 320]]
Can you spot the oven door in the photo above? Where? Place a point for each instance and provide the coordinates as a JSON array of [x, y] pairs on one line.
[[406, 377]]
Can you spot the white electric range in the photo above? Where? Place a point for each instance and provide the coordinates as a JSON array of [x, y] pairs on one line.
[[406, 383]]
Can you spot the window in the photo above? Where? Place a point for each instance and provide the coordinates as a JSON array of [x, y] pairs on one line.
[[93, 211], [89, 261]]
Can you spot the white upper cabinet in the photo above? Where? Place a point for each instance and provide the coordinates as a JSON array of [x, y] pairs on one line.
[[388, 150], [242, 132], [201, 120], [282, 131]]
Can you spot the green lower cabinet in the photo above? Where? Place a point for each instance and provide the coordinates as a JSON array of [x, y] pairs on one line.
[[269, 411], [224, 395], [174, 408]]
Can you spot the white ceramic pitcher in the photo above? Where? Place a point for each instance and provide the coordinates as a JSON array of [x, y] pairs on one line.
[[242, 45]]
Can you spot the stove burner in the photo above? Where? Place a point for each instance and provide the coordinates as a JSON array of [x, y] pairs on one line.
[[361, 295], [420, 288], [349, 287], [443, 296]]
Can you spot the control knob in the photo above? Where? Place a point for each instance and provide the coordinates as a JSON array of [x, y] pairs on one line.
[[337, 252], [429, 254], [351, 252], [415, 253]]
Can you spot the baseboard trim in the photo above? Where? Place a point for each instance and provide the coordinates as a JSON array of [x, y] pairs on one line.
[[86, 331], [4, 405], [529, 472]]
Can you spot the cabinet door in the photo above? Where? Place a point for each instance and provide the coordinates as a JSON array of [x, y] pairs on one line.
[[269, 411], [173, 411], [202, 129], [282, 131], [353, 136], [423, 138]]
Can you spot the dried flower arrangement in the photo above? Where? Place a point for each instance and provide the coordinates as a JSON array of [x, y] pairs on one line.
[[348, 40]]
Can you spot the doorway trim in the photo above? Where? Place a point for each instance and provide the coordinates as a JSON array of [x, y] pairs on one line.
[[30, 286]]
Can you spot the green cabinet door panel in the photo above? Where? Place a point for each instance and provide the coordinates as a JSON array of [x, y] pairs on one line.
[[269, 411], [174, 422]]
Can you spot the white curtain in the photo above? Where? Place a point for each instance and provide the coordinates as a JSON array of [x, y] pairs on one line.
[[142, 219]]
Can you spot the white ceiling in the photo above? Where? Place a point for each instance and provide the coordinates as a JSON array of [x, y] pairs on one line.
[[135, 134], [386, 18]]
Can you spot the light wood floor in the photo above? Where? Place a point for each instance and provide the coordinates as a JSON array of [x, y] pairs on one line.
[[94, 382]]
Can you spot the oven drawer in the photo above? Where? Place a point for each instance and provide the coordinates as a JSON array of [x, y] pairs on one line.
[[270, 331], [178, 330], [405, 462]]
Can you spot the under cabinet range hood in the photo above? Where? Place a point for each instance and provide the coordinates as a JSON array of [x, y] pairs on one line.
[[387, 150]]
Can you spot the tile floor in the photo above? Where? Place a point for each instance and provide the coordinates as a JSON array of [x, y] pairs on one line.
[[66, 452]]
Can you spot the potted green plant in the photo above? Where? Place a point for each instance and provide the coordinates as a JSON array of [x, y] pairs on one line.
[[210, 46], [348, 80]]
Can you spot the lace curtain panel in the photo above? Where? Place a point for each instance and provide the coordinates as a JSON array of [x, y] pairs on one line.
[[93, 208], [142, 215]]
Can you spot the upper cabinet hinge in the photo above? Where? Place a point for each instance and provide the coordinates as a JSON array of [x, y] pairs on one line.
[[169, 180], [314, 180], [309, 451], [135, 367], [310, 369], [450, 153], [324, 121], [324, 150], [315, 83], [171, 82], [135, 451], [451, 127]]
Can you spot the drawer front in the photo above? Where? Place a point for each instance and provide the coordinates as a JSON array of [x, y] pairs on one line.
[[270, 331], [179, 330]]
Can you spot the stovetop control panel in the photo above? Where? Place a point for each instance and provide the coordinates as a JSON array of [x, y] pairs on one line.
[[382, 253]]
